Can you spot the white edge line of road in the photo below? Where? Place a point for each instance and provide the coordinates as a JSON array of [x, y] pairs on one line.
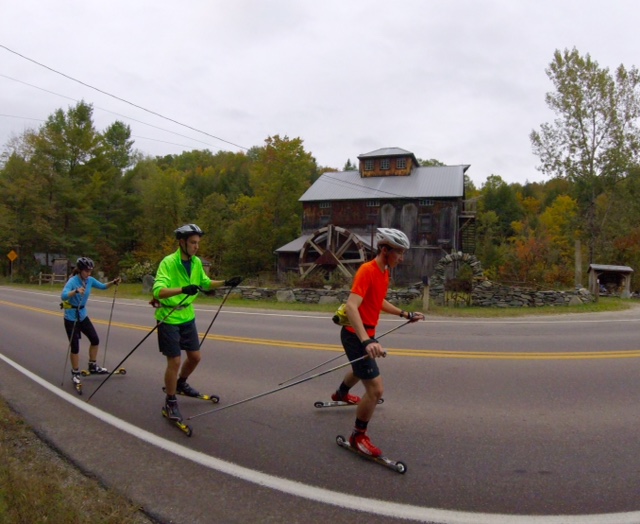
[[314, 493]]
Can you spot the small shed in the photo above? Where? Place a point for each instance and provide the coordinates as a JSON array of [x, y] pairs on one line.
[[616, 279]]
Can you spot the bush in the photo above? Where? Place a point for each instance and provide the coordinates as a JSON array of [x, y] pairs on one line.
[[138, 270]]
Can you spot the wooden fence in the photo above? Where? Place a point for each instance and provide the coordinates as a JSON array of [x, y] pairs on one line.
[[51, 278]]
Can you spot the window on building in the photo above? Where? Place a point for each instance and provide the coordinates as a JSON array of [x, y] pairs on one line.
[[385, 164], [426, 202], [401, 163], [425, 224], [373, 203], [368, 165], [325, 205]]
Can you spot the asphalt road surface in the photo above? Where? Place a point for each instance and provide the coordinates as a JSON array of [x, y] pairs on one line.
[[522, 420]]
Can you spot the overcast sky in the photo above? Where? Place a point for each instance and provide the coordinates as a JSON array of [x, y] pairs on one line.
[[461, 81]]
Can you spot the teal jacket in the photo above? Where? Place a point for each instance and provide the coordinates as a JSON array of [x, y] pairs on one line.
[[78, 303], [171, 273]]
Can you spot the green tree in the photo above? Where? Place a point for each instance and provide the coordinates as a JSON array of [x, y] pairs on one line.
[[500, 197], [594, 139]]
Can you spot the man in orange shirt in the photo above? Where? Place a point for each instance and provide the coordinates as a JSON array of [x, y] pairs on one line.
[[366, 300]]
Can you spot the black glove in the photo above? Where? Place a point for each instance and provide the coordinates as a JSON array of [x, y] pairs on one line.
[[191, 289], [233, 282]]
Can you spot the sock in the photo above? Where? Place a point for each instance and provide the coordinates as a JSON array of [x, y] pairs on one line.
[[343, 390], [171, 397], [181, 381], [361, 425]]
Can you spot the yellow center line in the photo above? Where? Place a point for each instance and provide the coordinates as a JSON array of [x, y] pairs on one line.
[[421, 353]]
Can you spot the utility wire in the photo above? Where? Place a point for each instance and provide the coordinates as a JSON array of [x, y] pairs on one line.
[[106, 111], [121, 99]]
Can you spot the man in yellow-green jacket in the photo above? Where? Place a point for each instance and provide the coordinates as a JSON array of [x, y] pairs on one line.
[[179, 278]]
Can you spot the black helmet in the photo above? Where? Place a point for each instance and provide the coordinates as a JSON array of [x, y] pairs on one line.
[[85, 263], [187, 230]]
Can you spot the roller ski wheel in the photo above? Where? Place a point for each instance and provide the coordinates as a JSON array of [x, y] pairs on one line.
[[119, 371], [397, 466], [336, 403], [186, 429], [211, 398]]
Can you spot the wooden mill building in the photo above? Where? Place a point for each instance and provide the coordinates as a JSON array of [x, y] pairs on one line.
[[342, 210]]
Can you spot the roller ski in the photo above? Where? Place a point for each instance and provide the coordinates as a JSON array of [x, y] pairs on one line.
[[98, 370], [338, 401], [170, 411], [372, 453], [77, 383], [187, 391]]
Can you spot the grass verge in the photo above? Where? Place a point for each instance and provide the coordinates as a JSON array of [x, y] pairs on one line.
[[37, 485]]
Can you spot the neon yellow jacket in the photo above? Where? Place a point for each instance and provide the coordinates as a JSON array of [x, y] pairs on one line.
[[171, 273]]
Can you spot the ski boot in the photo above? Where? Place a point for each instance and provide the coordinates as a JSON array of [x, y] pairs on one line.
[[75, 380], [185, 389], [395, 465], [348, 398], [359, 440], [95, 369], [171, 412]]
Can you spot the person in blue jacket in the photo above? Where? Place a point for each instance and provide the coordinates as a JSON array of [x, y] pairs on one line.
[[76, 320]]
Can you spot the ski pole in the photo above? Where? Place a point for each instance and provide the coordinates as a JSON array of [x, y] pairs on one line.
[[106, 342], [224, 299], [336, 358], [73, 332], [280, 388], [137, 346]]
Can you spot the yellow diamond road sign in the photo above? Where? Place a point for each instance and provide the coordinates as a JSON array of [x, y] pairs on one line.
[[12, 255]]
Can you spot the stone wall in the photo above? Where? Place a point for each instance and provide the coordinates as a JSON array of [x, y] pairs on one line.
[[485, 294], [490, 294], [314, 296]]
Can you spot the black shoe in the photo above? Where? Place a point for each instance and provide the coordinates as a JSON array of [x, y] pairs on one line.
[[95, 369], [185, 389]]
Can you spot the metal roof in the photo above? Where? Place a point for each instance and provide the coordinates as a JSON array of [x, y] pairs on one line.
[[295, 246], [604, 267], [386, 151], [423, 182]]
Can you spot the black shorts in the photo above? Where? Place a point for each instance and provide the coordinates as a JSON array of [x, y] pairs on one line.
[[86, 328], [365, 369], [174, 338]]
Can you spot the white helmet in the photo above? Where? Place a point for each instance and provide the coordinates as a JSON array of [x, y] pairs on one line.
[[392, 237]]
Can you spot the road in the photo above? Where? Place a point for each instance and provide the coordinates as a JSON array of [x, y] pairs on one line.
[[497, 420]]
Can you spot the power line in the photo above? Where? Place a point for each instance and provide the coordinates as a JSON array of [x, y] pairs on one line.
[[102, 109], [121, 99]]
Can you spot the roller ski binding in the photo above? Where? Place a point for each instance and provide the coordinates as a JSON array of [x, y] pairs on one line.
[[187, 391], [170, 411], [338, 401], [77, 383], [398, 467]]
